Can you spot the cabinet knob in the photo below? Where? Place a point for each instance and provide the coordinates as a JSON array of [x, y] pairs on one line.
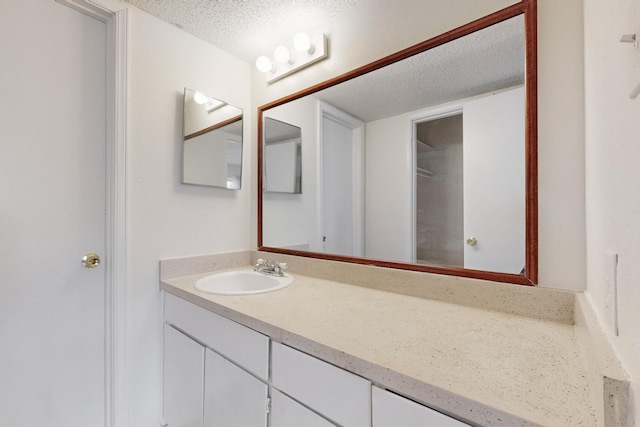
[[472, 241]]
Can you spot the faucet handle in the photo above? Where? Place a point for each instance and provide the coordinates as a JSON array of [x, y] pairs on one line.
[[261, 261], [282, 265]]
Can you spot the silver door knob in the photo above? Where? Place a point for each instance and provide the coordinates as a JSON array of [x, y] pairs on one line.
[[472, 241], [91, 260]]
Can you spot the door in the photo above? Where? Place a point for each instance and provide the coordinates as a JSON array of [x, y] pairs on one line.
[[337, 186], [52, 212], [494, 182], [341, 195]]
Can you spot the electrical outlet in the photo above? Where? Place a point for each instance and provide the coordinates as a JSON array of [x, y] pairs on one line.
[[611, 291]]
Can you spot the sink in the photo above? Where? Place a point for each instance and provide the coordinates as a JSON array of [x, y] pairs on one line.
[[243, 282]]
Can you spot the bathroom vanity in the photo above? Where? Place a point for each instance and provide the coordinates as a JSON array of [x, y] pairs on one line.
[[219, 372], [326, 352]]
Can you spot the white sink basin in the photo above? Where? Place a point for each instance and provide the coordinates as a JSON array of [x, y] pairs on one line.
[[242, 282]]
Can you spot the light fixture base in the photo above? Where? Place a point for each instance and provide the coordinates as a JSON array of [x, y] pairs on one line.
[[301, 59]]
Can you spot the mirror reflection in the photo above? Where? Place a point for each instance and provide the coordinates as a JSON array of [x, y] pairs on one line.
[[421, 161], [212, 145], [282, 157]]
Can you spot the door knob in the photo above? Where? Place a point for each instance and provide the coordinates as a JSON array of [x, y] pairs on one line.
[[472, 241], [91, 260]]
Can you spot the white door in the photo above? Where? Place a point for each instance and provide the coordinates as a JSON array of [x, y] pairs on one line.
[[52, 212], [494, 182], [341, 221], [337, 188]]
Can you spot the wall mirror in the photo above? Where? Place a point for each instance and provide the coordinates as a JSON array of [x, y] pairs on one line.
[[424, 160], [282, 157], [212, 142]]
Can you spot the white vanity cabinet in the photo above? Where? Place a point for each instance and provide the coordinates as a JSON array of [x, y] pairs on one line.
[[336, 394], [244, 346], [217, 374], [220, 373], [391, 410]]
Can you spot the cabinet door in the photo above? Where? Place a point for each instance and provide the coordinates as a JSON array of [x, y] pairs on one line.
[[286, 412], [183, 379], [232, 396], [391, 410]]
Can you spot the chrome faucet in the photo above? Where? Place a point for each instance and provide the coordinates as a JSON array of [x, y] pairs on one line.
[[274, 269]]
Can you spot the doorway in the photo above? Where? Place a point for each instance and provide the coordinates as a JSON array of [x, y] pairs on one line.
[[438, 210]]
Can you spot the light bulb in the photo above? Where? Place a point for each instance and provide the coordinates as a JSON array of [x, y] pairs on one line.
[[264, 64], [199, 98], [282, 55], [302, 43]]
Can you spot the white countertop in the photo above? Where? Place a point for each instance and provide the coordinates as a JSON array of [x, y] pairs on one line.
[[484, 366]]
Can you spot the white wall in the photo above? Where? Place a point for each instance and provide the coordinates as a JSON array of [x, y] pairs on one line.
[[205, 159], [612, 69], [561, 214], [164, 217]]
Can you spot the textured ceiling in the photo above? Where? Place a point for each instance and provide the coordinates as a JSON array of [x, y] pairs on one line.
[[485, 61], [482, 62], [246, 28]]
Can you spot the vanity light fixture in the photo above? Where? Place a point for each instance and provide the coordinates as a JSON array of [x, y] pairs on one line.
[[282, 55], [265, 65], [306, 51], [302, 43], [199, 98]]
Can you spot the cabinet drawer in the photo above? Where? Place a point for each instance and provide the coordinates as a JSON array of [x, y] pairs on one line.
[[339, 395], [391, 410], [246, 347]]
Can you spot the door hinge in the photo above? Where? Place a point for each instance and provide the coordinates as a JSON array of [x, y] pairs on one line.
[[268, 405]]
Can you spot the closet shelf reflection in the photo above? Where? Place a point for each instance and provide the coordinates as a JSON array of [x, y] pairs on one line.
[[425, 174]]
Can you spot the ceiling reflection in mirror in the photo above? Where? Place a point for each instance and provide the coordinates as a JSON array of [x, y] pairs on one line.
[[212, 143], [442, 181]]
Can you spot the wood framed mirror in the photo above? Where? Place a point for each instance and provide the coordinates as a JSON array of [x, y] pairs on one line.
[[437, 168]]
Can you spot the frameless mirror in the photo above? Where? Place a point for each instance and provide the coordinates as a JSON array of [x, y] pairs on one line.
[[212, 144], [282, 157], [424, 160]]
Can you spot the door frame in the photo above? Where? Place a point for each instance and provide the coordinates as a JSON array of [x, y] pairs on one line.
[[114, 15], [357, 126]]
